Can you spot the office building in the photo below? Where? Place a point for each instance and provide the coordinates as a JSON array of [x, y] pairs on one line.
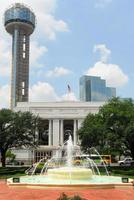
[[61, 119], [19, 21], [93, 88]]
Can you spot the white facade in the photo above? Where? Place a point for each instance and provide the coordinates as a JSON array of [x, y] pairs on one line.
[[58, 114]]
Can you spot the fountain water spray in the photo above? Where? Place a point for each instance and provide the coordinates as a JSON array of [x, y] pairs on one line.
[[101, 160], [68, 175], [69, 151]]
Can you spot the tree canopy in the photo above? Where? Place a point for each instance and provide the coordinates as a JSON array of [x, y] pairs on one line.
[[17, 129], [111, 130]]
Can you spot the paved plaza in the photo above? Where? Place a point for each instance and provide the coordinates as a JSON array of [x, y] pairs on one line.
[[11, 193]]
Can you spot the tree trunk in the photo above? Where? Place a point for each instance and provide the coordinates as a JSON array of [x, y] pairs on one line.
[[3, 157], [132, 152]]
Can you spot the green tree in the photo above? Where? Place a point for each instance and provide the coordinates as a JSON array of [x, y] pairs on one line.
[[118, 120], [112, 130], [17, 129], [42, 128], [92, 132], [129, 138], [11, 156]]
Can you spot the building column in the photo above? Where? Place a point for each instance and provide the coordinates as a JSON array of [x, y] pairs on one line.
[[56, 132], [50, 133], [79, 126], [61, 132], [74, 133], [79, 123]]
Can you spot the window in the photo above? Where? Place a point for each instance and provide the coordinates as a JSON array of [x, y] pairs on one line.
[[24, 47], [24, 38], [23, 91], [24, 55], [23, 84]]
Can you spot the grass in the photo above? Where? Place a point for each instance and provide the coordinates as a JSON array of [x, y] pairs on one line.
[[122, 171], [8, 172]]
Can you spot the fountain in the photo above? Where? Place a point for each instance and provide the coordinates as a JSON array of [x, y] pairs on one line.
[[61, 172], [69, 171]]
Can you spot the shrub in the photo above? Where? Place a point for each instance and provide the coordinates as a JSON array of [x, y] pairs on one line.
[[63, 196], [77, 197]]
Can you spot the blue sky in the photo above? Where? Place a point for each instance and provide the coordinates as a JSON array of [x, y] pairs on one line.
[[73, 38]]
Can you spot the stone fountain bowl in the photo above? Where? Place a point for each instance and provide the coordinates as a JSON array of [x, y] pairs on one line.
[[75, 173]]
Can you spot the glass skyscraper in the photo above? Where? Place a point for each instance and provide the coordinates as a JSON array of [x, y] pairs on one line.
[[93, 88], [19, 21]]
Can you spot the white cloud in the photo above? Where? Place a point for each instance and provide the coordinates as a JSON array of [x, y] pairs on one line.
[[47, 24], [36, 52], [104, 52], [39, 92], [112, 73], [5, 71], [43, 91], [4, 96], [5, 58], [46, 6], [102, 3], [70, 96], [57, 72], [51, 25]]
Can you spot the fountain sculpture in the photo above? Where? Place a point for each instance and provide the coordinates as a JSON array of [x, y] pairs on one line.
[[60, 171], [69, 171]]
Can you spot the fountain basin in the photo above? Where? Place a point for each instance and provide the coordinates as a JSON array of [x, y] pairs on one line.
[[95, 182], [74, 173]]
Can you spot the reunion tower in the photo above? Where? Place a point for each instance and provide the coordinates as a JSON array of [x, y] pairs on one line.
[[19, 21]]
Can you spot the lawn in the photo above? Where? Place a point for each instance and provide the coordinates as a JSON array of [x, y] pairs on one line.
[[123, 171], [8, 172]]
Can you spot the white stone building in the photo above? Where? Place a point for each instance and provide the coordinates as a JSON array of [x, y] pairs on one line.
[[60, 120]]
